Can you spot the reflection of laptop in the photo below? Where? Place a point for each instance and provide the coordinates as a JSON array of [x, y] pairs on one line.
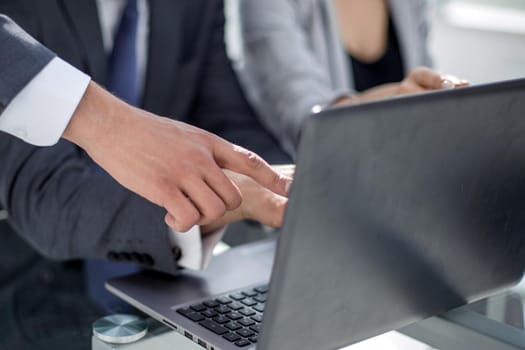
[[400, 209]]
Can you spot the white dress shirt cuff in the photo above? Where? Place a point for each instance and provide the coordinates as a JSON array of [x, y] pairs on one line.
[[197, 251], [41, 111]]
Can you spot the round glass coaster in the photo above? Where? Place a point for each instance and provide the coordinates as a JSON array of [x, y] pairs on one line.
[[120, 329]]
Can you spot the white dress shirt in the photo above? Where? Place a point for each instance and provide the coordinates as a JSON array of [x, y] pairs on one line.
[[41, 111]]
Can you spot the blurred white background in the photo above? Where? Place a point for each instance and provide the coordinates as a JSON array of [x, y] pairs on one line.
[[479, 40]]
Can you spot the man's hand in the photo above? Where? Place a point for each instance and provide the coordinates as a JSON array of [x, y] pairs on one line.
[[258, 203], [170, 163]]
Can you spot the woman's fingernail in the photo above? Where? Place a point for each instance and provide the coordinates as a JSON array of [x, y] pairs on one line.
[[447, 84]]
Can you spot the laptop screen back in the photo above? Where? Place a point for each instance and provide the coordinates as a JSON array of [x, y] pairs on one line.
[[400, 210]]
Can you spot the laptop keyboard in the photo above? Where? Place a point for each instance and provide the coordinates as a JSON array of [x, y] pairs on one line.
[[236, 317]]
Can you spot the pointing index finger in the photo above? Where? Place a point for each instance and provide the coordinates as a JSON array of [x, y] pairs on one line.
[[248, 163]]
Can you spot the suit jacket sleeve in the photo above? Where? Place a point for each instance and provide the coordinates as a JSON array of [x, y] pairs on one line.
[[281, 75], [67, 208], [21, 58]]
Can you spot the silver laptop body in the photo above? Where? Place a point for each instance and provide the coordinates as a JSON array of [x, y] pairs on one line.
[[400, 209]]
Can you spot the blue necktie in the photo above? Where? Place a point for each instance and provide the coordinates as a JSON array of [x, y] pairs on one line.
[[123, 64], [123, 82]]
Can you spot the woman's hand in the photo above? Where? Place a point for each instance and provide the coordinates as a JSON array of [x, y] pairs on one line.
[[419, 80], [424, 79], [258, 203]]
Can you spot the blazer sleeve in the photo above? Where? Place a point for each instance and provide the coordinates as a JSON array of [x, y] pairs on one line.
[[68, 208], [281, 76], [21, 58]]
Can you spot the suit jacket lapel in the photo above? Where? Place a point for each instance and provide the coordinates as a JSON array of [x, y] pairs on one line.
[[166, 25], [83, 18]]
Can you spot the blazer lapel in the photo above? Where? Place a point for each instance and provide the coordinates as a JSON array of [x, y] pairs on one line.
[[166, 25], [83, 18]]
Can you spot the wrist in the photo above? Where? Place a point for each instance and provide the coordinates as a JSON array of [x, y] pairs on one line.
[[93, 118]]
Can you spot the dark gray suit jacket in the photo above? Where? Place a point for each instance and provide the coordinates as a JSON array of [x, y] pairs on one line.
[[21, 58], [54, 198]]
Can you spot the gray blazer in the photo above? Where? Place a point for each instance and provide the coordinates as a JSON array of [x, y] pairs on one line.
[[292, 57]]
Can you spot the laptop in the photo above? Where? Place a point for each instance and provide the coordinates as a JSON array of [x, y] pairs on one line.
[[401, 209]]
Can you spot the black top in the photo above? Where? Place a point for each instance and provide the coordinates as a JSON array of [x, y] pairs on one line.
[[387, 69]]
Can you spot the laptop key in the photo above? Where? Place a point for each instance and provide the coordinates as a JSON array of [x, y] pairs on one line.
[[235, 306], [259, 307], [234, 315], [246, 322], [195, 316], [223, 309], [247, 312], [211, 303], [221, 319], [214, 327], [242, 343], [257, 318], [249, 293], [249, 302], [237, 296], [231, 337], [185, 311], [198, 307], [253, 339], [233, 326], [260, 298], [261, 289], [256, 328], [223, 300], [245, 332], [209, 313]]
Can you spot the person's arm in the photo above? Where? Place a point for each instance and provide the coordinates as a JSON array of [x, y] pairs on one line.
[[67, 209], [40, 112], [281, 75], [21, 59], [283, 78], [172, 164]]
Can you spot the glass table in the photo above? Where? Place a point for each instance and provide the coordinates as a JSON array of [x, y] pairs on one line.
[[43, 306], [493, 323]]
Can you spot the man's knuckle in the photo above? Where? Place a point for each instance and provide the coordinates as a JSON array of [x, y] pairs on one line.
[[200, 156], [213, 210], [234, 200], [162, 183], [217, 212], [253, 160], [188, 220]]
